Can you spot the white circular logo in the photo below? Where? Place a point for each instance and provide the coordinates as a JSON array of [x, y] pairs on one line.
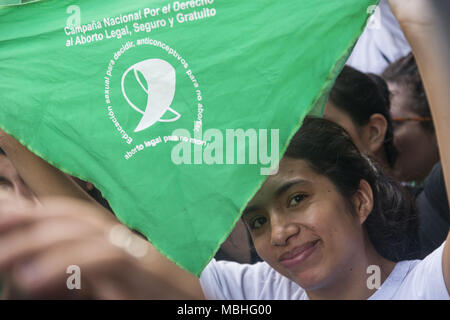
[[157, 78]]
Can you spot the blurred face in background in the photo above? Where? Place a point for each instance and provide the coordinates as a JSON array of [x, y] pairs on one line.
[[333, 113], [11, 184], [417, 146], [369, 138]]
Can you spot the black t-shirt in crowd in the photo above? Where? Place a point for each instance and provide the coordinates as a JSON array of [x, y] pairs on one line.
[[434, 213]]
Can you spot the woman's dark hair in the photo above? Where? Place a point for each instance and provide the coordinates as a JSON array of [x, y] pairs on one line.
[[360, 96], [392, 225], [405, 73]]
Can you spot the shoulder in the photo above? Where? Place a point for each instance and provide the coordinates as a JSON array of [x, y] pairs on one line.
[[226, 280], [435, 191], [434, 213], [423, 279]]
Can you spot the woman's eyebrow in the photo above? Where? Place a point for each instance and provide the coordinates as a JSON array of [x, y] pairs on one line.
[[278, 192], [289, 184]]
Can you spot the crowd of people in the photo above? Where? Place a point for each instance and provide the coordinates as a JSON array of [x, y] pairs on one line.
[[362, 186]]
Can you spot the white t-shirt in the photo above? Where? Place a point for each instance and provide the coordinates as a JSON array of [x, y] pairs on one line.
[[410, 280], [381, 44]]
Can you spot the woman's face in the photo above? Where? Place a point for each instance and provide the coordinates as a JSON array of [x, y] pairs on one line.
[[340, 117], [302, 227], [417, 147]]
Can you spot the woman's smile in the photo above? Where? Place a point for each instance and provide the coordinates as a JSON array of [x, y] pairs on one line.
[[295, 257]]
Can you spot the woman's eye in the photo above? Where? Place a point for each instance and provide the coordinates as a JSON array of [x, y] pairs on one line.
[[297, 199], [257, 223]]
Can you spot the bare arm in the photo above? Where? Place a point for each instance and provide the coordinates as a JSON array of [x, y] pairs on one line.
[[426, 26]]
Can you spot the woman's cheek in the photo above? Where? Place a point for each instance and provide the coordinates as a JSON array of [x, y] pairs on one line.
[[335, 227], [262, 245]]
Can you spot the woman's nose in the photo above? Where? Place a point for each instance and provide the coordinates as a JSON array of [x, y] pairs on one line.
[[283, 229]]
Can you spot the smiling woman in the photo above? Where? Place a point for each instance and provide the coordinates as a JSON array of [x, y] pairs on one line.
[[321, 221], [391, 224]]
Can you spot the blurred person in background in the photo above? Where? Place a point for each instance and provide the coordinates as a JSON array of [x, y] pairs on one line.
[[418, 165], [414, 134], [359, 103]]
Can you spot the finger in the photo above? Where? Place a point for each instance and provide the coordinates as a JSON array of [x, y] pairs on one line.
[[29, 239], [15, 217], [46, 273]]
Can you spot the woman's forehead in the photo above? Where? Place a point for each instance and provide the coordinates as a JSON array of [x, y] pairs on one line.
[[401, 100], [291, 166], [291, 172]]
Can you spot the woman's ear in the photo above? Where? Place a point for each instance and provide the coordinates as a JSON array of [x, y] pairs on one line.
[[375, 132], [363, 201]]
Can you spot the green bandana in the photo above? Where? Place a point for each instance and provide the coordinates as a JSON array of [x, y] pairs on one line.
[[176, 110]]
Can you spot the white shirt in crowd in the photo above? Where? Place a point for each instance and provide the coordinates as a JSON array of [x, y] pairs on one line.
[[381, 44], [410, 280]]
